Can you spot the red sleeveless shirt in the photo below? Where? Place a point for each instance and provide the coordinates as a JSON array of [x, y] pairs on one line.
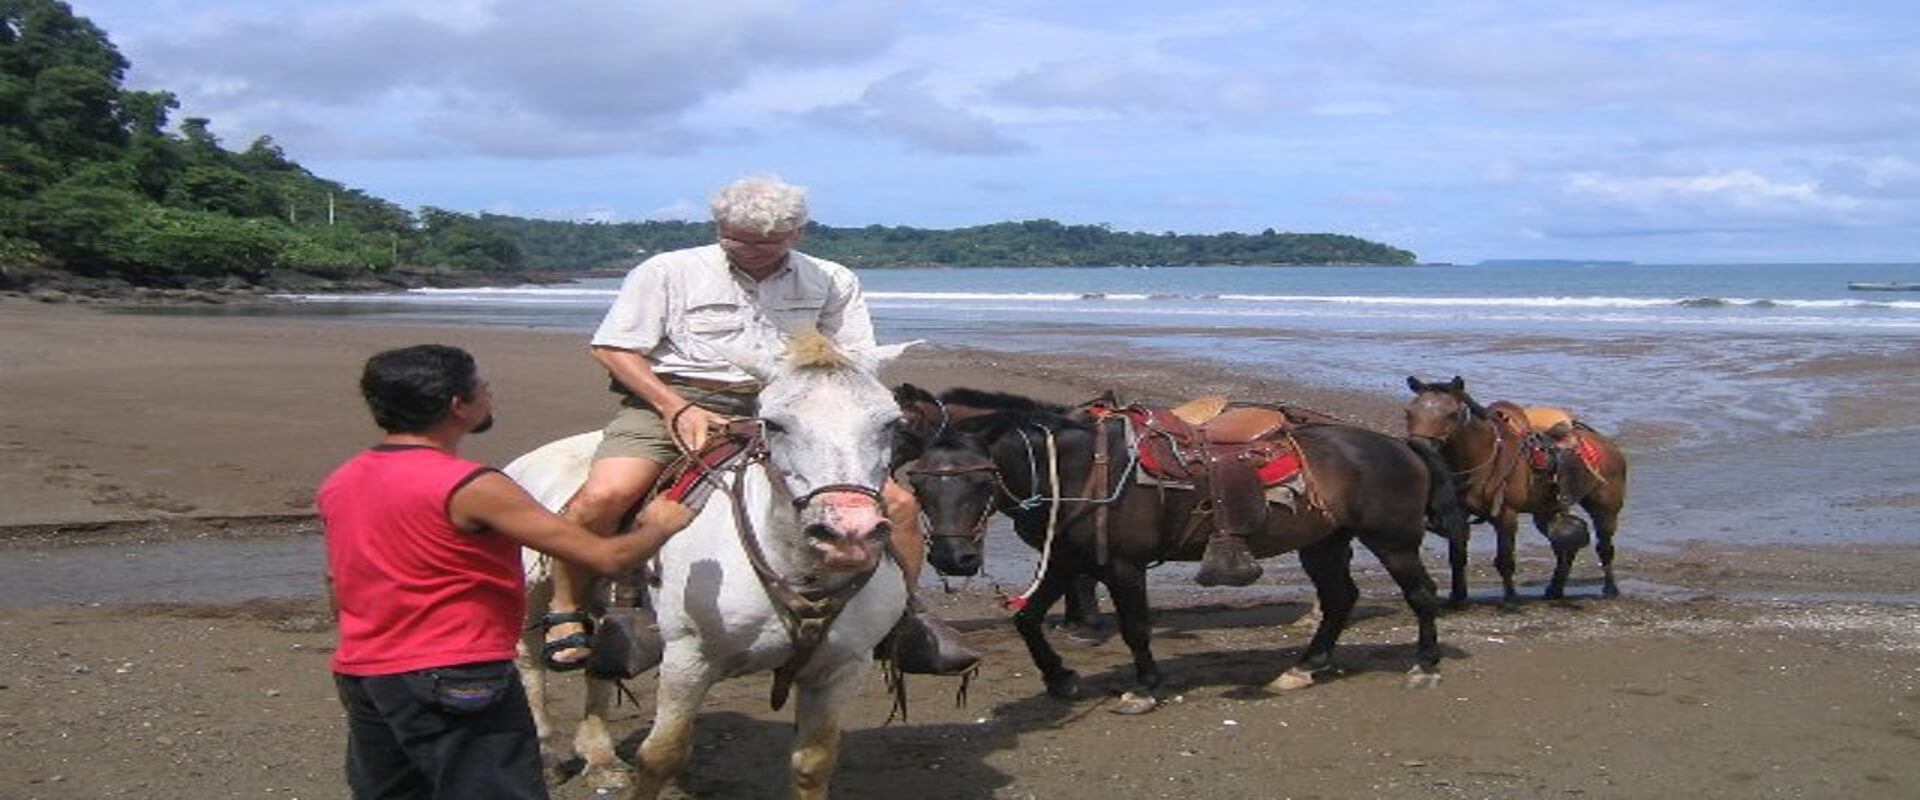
[[414, 591]]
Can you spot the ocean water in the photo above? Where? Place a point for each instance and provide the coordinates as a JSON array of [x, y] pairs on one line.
[[1741, 360], [1714, 352]]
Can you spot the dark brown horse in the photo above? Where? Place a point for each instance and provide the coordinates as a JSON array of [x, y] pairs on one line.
[[1490, 456], [983, 452]]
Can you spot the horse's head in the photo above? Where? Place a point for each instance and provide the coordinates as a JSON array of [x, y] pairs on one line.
[[830, 426], [956, 482], [1438, 409], [956, 475]]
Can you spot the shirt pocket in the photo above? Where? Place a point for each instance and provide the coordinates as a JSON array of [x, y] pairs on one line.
[[796, 311], [716, 320]]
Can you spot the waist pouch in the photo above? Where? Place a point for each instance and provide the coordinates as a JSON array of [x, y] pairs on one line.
[[464, 689]]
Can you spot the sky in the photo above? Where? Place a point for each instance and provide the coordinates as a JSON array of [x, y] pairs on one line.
[[1657, 132]]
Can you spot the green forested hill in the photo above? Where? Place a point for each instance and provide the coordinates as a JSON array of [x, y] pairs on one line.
[[1033, 243], [95, 184]]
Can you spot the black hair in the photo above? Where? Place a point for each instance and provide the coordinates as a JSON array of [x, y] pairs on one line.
[[410, 389]]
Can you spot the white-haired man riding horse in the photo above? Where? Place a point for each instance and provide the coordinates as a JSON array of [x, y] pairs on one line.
[[747, 292]]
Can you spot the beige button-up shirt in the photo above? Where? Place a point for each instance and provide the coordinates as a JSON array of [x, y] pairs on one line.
[[672, 305]]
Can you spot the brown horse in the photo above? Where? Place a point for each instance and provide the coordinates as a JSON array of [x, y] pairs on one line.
[[1039, 464], [1489, 455]]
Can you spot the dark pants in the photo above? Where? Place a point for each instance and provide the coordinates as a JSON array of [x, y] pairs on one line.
[[443, 733]]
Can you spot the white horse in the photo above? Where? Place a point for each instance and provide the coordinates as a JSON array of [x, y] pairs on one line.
[[781, 568], [552, 473]]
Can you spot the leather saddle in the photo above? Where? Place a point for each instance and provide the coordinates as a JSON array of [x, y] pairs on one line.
[[1231, 452]]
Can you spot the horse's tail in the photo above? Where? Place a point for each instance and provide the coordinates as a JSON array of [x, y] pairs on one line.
[[1446, 512]]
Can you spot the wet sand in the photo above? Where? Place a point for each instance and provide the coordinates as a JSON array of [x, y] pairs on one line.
[[172, 454]]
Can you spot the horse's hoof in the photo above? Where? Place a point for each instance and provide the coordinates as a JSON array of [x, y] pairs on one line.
[[1065, 687], [1610, 590], [1087, 638], [608, 780], [1133, 704], [1292, 680], [1418, 678]]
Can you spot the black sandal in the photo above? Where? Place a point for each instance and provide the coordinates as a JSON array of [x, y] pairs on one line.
[[572, 641]]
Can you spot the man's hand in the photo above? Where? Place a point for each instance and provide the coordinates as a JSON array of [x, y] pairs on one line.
[[692, 426]]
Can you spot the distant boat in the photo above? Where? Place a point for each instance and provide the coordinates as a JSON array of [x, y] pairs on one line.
[[1884, 286]]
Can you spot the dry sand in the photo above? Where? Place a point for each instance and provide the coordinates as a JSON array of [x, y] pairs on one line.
[[138, 428]]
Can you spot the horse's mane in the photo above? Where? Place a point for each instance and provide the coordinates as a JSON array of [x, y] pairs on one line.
[[811, 348], [997, 401], [1473, 406], [999, 410]]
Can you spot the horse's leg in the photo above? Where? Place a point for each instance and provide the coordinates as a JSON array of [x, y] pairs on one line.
[[1062, 683], [604, 771], [1417, 587], [684, 681], [1081, 618], [1568, 534], [1606, 520], [1127, 583], [1506, 525], [533, 676], [1457, 568], [816, 722], [1328, 563]]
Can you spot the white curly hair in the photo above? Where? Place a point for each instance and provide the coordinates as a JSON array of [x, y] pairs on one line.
[[760, 205]]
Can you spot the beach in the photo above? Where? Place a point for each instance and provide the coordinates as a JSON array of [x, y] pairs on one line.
[[149, 457]]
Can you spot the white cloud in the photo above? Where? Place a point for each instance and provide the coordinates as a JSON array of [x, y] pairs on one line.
[[903, 107], [1474, 129], [1738, 189]]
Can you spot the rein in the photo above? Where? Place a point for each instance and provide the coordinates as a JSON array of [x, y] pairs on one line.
[[1495, 485], [978, 528], [805, 614]]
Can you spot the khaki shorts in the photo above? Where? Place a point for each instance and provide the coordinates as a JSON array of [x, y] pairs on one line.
[[638, 431]]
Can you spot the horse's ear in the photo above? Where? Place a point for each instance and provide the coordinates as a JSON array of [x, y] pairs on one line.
[[876, 357], [907, 395], [1413, 383], [1458, 385]]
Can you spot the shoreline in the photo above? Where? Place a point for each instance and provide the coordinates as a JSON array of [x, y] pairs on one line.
[[142, 429]]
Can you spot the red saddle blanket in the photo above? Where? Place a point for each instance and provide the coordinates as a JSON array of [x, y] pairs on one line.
[[1167, 457], [1540, 455]]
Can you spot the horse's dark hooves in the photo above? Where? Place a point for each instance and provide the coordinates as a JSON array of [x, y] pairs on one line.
[[1089, 637], [1064, 687]]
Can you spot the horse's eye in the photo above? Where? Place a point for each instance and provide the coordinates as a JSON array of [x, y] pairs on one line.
[[773, 427]]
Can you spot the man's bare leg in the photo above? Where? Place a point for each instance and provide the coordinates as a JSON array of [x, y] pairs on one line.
[[612, 487], [941, 650], [903, 512]]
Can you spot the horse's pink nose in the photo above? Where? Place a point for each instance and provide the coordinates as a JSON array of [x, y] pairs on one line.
[[847, 529], [850, 514]]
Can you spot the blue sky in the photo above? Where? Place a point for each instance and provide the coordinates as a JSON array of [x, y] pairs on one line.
[[1661, 132]]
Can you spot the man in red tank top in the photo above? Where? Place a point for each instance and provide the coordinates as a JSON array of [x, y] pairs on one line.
[[424, 575]]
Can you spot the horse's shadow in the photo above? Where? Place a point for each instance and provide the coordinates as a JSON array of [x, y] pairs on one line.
[[737, 754], [1242, 671], [742, 755]]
